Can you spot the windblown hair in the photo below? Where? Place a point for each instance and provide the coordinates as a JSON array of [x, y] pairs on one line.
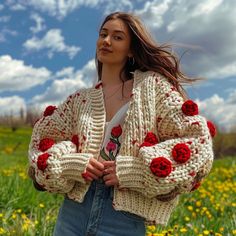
[[147, 54]]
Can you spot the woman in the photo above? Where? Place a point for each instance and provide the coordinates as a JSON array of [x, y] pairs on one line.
[[123, 151]]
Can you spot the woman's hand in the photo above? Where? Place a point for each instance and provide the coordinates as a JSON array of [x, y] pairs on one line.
[[110, 177], [94, 170]]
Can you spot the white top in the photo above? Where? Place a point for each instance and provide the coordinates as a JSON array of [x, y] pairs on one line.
[[117, 119]]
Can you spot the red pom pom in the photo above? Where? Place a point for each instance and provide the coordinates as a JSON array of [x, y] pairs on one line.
[[116, 131], [75, 140], [190, 108], [49, 110], [146, 144], [42, 161], [212, 128], [181, 152], [45, 144], [150, 140], [196, 186], [161, 166]]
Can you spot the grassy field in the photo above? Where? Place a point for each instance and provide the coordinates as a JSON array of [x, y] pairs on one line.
[[211, 210]]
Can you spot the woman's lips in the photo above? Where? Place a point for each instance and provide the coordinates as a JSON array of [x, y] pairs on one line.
[[105, 50]]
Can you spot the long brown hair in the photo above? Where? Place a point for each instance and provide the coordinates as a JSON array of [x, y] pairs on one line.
[[147, 54]]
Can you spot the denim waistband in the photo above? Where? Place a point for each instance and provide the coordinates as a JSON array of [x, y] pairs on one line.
[[100, 184]]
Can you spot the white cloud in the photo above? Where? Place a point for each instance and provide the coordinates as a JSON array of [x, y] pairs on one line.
[[112, 6], [16, 5], [16, 76], [40, 26], [53, 41], [153, 12], [1, 7], [66, 83], [11, 105], [219, 110], [5, 32], [62, 8], [5, 18], [207, 25]]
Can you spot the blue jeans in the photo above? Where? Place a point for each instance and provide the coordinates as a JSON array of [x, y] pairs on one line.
[[95, 216]]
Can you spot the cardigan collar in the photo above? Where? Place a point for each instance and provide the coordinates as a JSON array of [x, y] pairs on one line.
[[99, 113]]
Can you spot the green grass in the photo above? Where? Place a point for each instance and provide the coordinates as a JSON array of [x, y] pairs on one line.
[[25, 211]]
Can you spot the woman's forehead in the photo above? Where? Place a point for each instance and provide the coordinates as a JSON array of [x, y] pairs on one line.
[[115, 25]]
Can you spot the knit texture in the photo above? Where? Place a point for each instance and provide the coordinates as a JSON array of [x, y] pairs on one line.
[[152, 172]]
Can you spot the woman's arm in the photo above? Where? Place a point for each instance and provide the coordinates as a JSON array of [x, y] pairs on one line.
[[53, 148], [182, 157]]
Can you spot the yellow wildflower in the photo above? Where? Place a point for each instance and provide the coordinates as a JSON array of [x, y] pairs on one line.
[[198, 203], [187, 218], [222, 229], [190, 208], [18, 210], [151, 228], [148, 234], [183, 230], [206, 232], [2, 231]]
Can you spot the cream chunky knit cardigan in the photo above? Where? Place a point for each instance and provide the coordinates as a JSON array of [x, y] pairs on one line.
[[155, 107]]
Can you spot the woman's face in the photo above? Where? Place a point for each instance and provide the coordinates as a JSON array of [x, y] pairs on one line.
[[113, 44]]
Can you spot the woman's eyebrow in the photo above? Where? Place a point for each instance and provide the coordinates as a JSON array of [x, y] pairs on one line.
[[116, 31]]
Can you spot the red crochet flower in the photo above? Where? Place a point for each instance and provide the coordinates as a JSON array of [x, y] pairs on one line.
[[211, 128], [45, 144], [196, 186], [111, 146], [75, 140], [160, 166], [149, 140], [116, 131], [42, 161], [181, 152], [49, 110], [190, 108]]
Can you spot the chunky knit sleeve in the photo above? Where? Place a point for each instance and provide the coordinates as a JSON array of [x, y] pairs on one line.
[[53, 150], [176, 156]]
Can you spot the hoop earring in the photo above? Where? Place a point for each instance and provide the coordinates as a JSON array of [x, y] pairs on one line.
[[131, 61]]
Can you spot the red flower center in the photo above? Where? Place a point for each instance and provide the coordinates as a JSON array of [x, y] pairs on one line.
[[45, 144], [42, 161], [181, 152], [161, 166], [190, 108], [49, 110]]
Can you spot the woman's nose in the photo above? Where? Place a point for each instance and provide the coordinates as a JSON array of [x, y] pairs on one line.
[[107, 40]]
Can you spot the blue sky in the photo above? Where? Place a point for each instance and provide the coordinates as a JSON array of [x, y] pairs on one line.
[[47, 49]]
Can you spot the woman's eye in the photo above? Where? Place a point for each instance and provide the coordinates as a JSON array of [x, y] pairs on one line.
[[117, 37], [102, 35]]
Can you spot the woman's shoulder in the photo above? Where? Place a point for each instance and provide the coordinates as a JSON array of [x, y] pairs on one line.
[[82, 92], [157, 79]]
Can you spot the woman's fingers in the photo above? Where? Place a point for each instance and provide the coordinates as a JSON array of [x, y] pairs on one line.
[[108, 164], [94, 169], [96, 164], [110, 177]]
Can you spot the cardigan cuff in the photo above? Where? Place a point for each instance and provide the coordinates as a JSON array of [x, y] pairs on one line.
[[129, 172], [73, 165]]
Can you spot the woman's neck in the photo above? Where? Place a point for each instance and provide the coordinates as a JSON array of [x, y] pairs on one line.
[[111, 75]]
